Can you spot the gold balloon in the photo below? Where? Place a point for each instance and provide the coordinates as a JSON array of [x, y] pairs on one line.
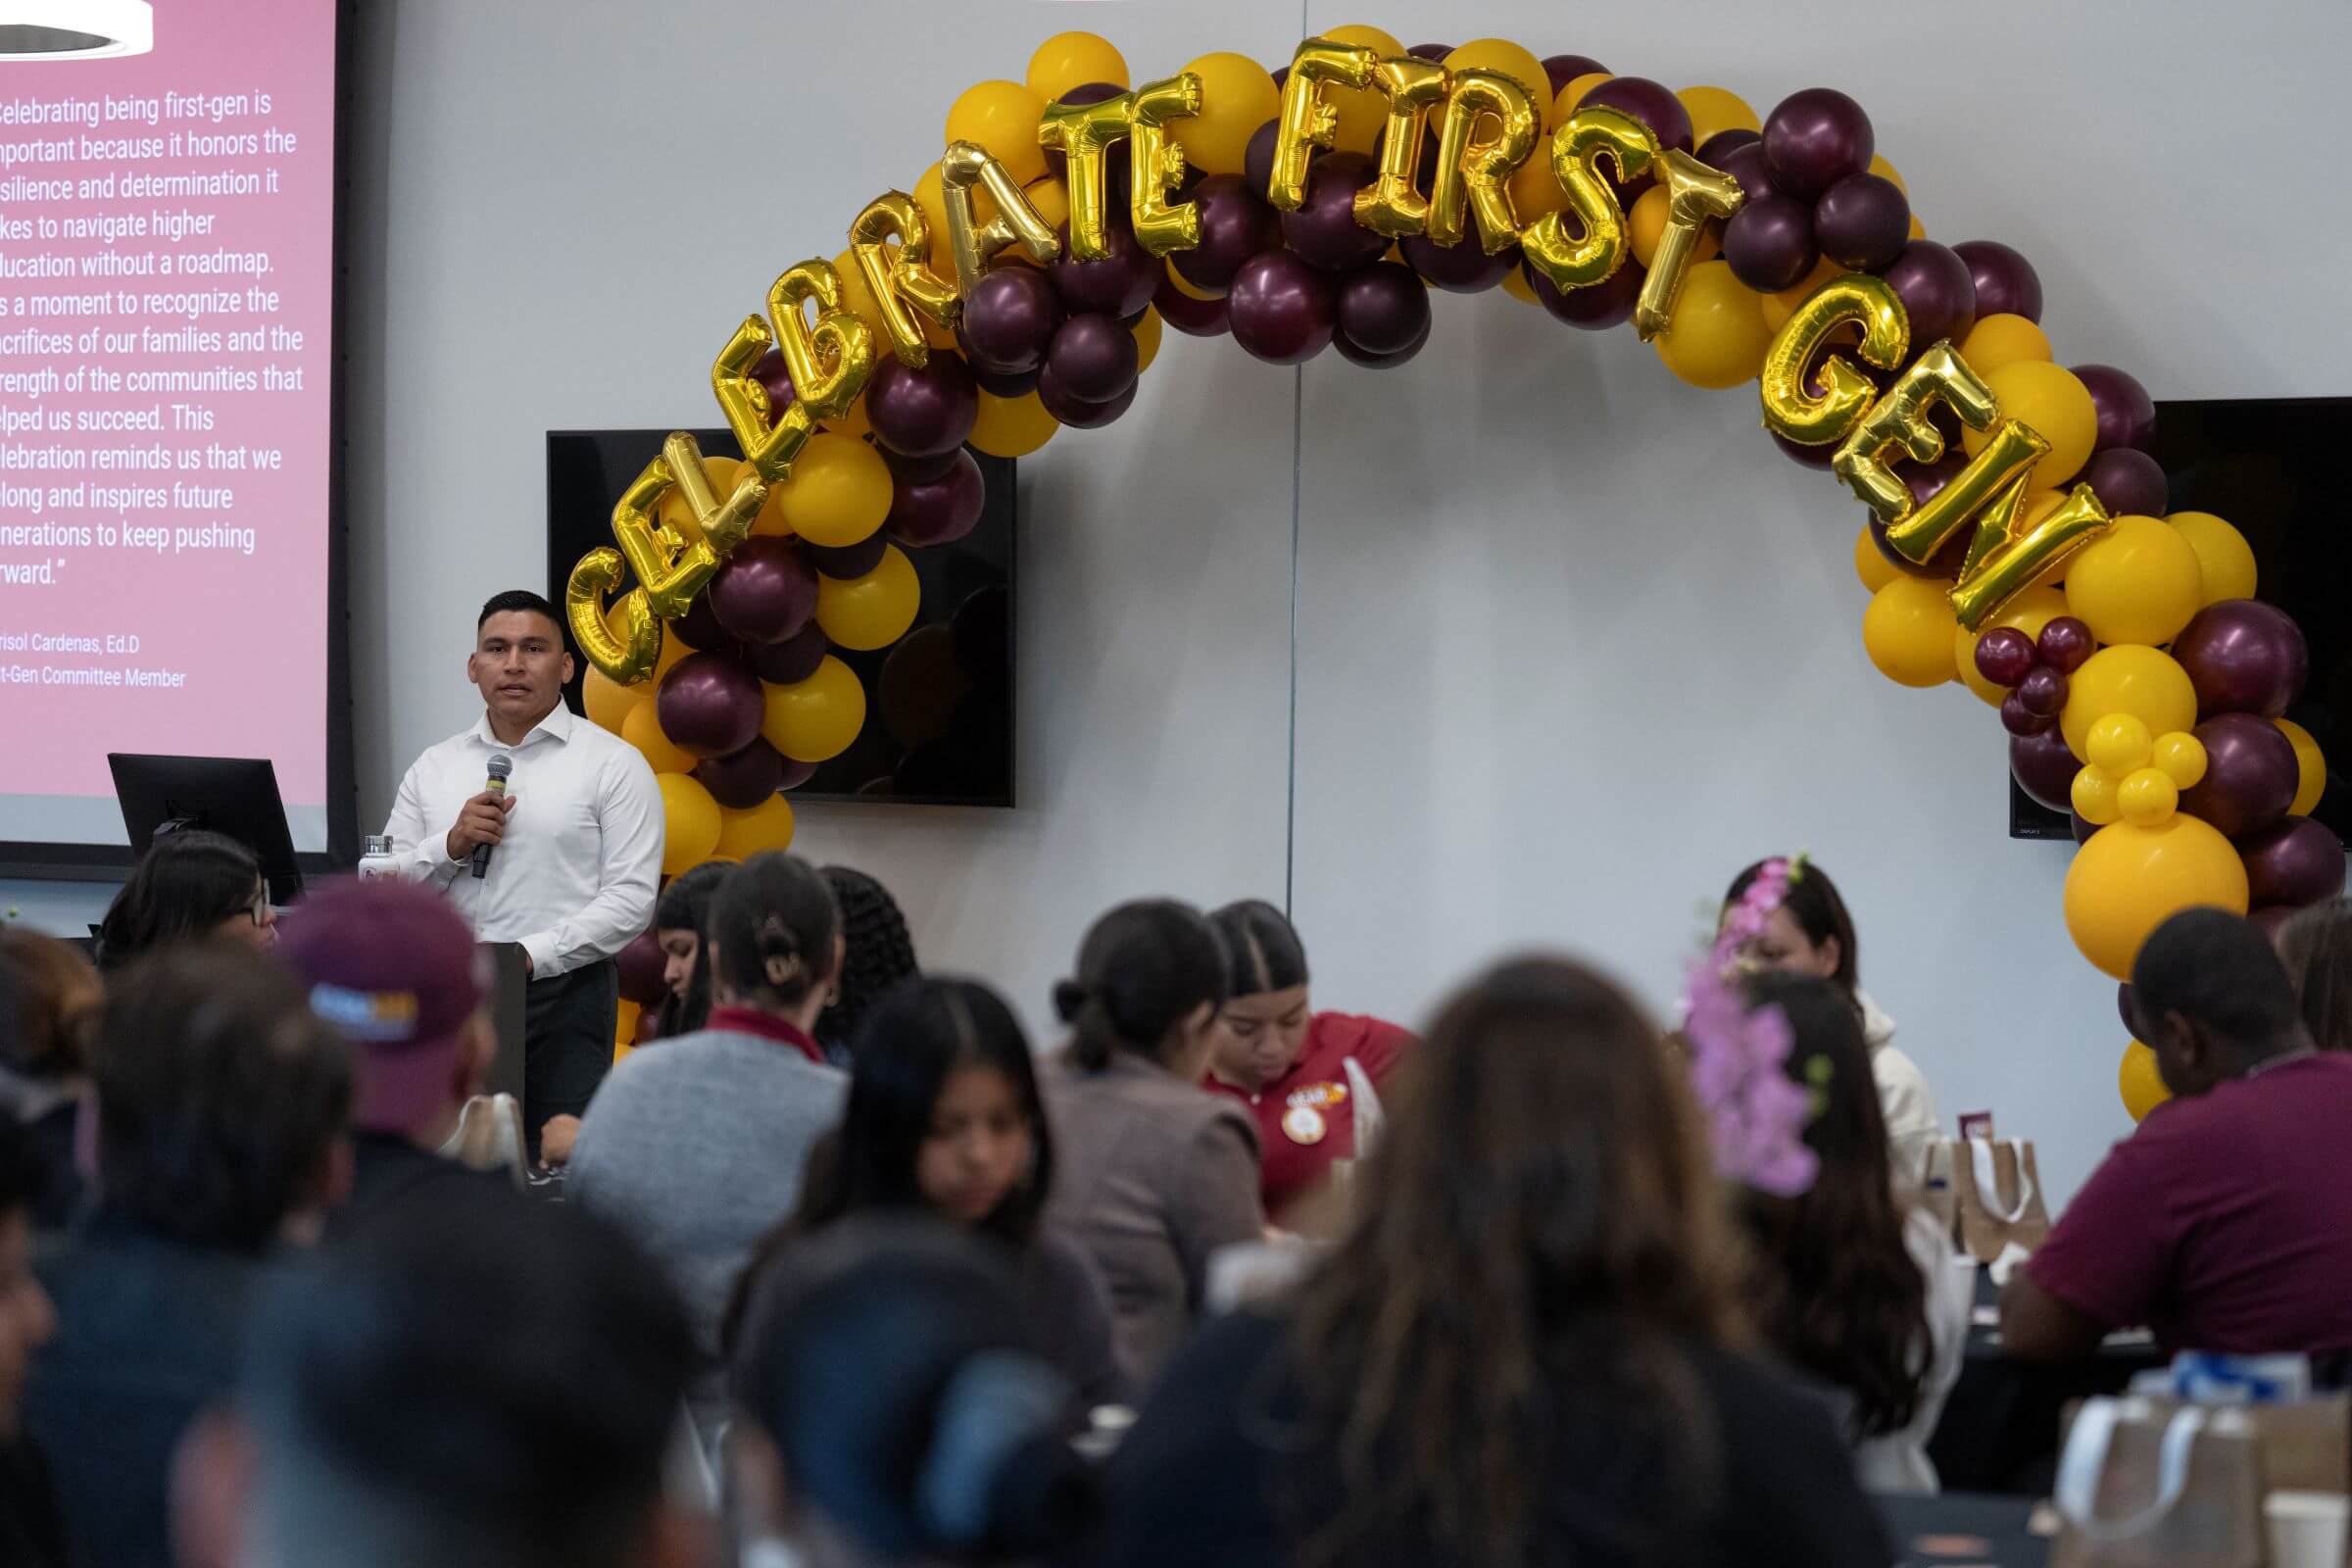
[[669, 570], [1018, 221], [2052, 400], [622, 660], [642, 728], [1309, 120], [754, 830], [1237, 96], [1717, 337], [693, 496], [1146, 333], [2140, 1082], [1907, 631], [1716, 109], [1392, 203], [1695, 193], [690, 822], [1074, 60], [1083, 134], [2140, 583], [1998, 340], [1474, 171], [839, 493], [1899, 420], [2129, 880], [815, 719], [2311, 767], [2094, 796], [873, 611], [1577, 149], [1001, 116], [2119, 743], [1157, 166], [829, 364], [1514, 63], [1363, 111], [1794, 411], [1011, 427], [2225, 560], [606, 700], [2008, 556], [1873, 567], [900, 277], [2182, 756], [2144, 682]]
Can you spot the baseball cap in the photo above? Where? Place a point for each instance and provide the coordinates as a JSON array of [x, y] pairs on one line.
[[395, 969]]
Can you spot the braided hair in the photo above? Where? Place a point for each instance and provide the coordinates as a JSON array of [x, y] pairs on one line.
[[880, 954]]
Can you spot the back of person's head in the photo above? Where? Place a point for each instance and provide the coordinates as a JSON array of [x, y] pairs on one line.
[[2212, 999], [776, 933], [2316, 945], [887, 1364], [1261, 945], [1833, 1287], [879, 952], [685, 905], [26, 1317], [1146, 971], [492, 1384], [51, 1000], [184, 885], [1541, 1223], [220, 1095], [1813, 902]]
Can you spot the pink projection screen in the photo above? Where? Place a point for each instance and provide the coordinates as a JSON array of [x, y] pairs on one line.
[[168, 552]]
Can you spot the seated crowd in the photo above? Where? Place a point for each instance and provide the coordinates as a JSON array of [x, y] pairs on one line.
[[842, 1271]]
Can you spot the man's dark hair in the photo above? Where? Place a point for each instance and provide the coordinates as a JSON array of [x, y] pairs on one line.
[[2220, 971], [517, 599], [467, 1384], [221, 1095]]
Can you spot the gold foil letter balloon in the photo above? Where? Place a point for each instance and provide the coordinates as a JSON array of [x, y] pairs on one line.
[[1577, 148], [964, 164], [1391, 204], [2003, 562], [1082, 133], [723, 524], [1156, 165], [1695, 193], [1308, 120], [596, 574], [669, 570], [1475, 171], [1790, 409], [901, 278], [1900, 420], [829, 364], [2000, 466]]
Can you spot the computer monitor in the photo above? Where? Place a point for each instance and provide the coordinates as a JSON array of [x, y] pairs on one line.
[[234, 796]]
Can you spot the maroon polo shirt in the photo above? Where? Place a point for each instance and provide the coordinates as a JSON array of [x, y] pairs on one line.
[[1306, 1117]]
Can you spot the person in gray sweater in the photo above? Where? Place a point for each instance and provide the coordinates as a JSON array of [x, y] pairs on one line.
[[696, 1146]]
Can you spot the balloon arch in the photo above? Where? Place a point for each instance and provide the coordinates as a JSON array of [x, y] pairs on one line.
[[2016, 537]]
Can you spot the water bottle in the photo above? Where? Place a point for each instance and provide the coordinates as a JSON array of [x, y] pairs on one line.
[[376, 857]]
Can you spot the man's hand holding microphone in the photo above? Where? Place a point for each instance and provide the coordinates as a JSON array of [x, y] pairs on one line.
[[482, 821]]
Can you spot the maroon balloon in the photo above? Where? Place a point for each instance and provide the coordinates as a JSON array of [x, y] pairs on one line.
[[764, 593], [2250, 775], [1003, 386], [926, 413], [847, 563], [1595, 309], [639, 964], [1463, 268], [2065, 644], [1745, 163], [904, 470], [795, 775], [2127, 413], [2044, 768], [1010, 318], [1816, 457], [2243, 657], [744, 779], [699, 627], [1283, 309], [1561, 70], [1430, 51], [1280, 74], [1651, 103], [1936, 291], [2018, 721], [1077, 412], [2005, 281], [1257, 160], [1770, 243], [2042, 693], [1862, 221], [941, 512], [790, 661], [2004, 656], [1383, 308], [2297, 864], [1379, 362], [2129, 481], [1323, 228], [1187, 314], [1236, 223], [2123, 1008], [709, 704], [1815, 138], [1093, 358], [1716, 148], [1119, 285]]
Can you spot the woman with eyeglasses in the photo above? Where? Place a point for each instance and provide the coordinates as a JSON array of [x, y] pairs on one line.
[[189, 884]]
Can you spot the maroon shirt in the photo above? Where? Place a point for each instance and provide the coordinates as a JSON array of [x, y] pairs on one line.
[[2225, 1223], [1306, 1119]]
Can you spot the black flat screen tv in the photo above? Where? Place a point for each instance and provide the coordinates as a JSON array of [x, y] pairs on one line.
[[2268, 465], [938, 711]]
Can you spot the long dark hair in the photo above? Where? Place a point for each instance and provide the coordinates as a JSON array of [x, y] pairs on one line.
[[186, 883], [1263, 946], [2316, 945], [881, 953], [1834, 1289], [685, 905], [775, 926], [1541, 1229], [1143, 969]]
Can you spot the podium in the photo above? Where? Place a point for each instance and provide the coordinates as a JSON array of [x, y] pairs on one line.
[[510, 1008]]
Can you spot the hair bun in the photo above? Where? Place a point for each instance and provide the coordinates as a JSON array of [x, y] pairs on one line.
[[1069, 1001]]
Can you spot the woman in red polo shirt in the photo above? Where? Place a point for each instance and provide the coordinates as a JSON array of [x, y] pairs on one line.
[[1288, 1062]]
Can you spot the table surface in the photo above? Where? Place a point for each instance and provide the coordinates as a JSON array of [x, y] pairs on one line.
[[1961, 1528]]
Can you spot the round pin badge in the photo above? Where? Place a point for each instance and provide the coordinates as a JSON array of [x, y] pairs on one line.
[[1303, 1124]]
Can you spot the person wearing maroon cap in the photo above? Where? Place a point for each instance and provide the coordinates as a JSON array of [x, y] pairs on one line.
[[395, 970]]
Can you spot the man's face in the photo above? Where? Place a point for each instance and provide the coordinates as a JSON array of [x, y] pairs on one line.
[[519, 666]]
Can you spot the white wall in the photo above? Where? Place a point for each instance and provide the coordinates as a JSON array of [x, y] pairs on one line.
[[1574, 641]]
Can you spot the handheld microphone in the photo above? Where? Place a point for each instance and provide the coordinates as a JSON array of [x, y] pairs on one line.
[[501, 767]]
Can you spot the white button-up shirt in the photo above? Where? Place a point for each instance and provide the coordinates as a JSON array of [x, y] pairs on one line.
[[573, 881]]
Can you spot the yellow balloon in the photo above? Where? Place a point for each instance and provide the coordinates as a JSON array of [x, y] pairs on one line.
[[815, 719], [1360, 35], [2144, 682], [1051, 199], [1075, 60], [2182, 758], [1516, 286], [1907, 631], [2311, 767], [2129, 880], [642, 728], [607, 701], [2146, 797], [1714, 109], [2225, 560], [1573, 94], [755, 829], [1886, 170], [624, 1027], [2138, 582], [1536, 191], [2093, 794], [1001, 116], [2143, 1086], [1919, 231], [1778, 307], [873, 611], [1237, 96], [1515, 62], [1147, 332], [2119, 743], [838, 492], [1363, 112], [1870, 563], [1011, 427], [1716, 336], [1193, 291], [1998, 340], [690, 818], [1646, 226], [2052, 400], [2029, 612]]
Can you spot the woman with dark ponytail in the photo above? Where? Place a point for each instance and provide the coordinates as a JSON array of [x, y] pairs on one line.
[[878, 954], [1158, 1174]]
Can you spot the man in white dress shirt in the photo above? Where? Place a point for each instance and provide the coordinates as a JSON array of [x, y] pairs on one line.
[[575, 840]]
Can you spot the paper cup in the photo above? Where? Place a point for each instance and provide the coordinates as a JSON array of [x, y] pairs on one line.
[[2306, 1529]]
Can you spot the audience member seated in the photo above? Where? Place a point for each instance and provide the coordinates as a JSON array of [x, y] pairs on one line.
[[681, 921], [188, 884], [2316, 945], [1156, 1173], [697, 1147], [1286, 1061], [44, 1061], [393, 967], [222, 1101], [1523, 1351], [1853, 1282], [880, 954], [2224, 1221], [488, 1386], [893, 1413], [944, 1118], [32, 1534], [1807, 930]]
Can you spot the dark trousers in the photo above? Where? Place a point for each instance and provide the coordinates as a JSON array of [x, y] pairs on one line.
[[567, 1044]]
